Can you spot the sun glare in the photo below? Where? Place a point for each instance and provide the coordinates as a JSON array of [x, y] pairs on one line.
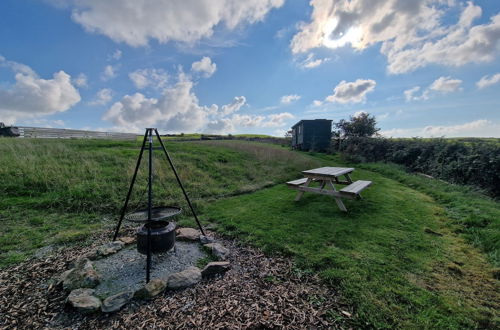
[[352, 36]]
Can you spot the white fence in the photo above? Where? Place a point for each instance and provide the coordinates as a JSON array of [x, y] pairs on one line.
[[62, 133]]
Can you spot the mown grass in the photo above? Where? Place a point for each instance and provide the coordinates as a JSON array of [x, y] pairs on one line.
[[395, 255], [474, 215], [54, 189]]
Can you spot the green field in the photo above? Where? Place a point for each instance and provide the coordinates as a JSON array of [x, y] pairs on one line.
[[414, 253]]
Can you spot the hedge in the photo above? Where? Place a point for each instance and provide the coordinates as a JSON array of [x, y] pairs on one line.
[[473, 162]]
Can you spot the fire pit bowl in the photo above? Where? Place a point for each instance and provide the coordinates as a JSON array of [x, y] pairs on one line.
[[157, 214], [162, 237]]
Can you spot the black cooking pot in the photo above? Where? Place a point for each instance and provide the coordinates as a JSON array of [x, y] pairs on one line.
[[162, 237]]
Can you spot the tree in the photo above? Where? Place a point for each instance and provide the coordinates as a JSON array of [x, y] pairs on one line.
[[362, 125]]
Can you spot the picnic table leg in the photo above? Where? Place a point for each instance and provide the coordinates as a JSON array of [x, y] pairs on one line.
[[348, 177], [323, 183], [300, 193], [339, 202]]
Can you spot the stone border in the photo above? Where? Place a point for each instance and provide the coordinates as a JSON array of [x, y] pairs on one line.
[[82, 278]]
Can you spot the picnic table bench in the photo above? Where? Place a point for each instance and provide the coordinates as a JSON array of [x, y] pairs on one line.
[[328, 177]]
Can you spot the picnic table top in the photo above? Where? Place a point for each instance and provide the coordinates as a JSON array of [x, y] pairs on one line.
[[328, 171]]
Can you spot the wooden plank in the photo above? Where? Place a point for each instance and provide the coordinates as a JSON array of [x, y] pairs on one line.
[[297, 182], [301, 192], [321, 191], [356, 187], [339, 202], [327, 171]]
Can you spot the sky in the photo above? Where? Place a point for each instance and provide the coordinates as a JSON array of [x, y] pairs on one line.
[[425, 68]]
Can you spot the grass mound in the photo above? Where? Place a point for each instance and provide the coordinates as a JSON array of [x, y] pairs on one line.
[[59, 191]]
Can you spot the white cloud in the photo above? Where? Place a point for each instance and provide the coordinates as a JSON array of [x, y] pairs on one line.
[[476, 128], [230, 124], [81, 80], [177, 109], [352, 92], [411, 33], [108, 73], [117, 54], [204, 66], [317, 103], [446, 85], [136, 22], [289, 99], [487, 81], [102, 97], [143, 78], [278, 119], [312, 62], [410, 94], [443, 85], [31, 96], [236, 105]]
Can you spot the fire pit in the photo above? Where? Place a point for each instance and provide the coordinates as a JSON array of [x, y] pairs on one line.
[[156, 235], [162, 232]]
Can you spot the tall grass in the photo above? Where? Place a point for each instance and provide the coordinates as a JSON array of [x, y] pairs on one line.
[[44, 181], [94, 175]]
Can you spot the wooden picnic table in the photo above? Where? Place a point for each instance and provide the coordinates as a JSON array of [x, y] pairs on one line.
[[328, 177]]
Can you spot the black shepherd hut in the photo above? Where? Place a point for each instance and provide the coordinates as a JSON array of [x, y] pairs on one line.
[[312, 134]]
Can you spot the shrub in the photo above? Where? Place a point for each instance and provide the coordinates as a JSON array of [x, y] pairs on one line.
[[469, 161]]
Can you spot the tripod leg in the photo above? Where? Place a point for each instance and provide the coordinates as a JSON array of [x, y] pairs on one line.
[[179, 181], [150, 202], [124, 209]]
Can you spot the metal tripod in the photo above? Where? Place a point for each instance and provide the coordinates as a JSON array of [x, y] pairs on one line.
[[148, 138]]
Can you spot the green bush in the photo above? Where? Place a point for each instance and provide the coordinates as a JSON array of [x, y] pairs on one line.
[[473, 162]]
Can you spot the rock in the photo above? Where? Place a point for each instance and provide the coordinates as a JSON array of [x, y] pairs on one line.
[[84, 301], [44, 251], [218, 250], [82, 276], [152, 289], [206, 240], [64, 276], [216, 267], [91, 255], [184, 279], [127, 240], [117, 301], [110, 248], [188, 234]]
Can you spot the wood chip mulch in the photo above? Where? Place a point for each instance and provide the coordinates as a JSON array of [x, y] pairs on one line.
[[258, 292]]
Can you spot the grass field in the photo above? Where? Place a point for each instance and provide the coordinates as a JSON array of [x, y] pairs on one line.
[[57, 191], [414, 253]]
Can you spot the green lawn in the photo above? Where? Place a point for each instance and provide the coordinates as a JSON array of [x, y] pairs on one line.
[[414, 253], [382, 253]]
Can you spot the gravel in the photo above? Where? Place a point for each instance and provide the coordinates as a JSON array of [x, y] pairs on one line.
[[126, 269]]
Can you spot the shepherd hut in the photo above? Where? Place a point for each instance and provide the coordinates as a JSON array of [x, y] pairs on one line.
[[314, 134]]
